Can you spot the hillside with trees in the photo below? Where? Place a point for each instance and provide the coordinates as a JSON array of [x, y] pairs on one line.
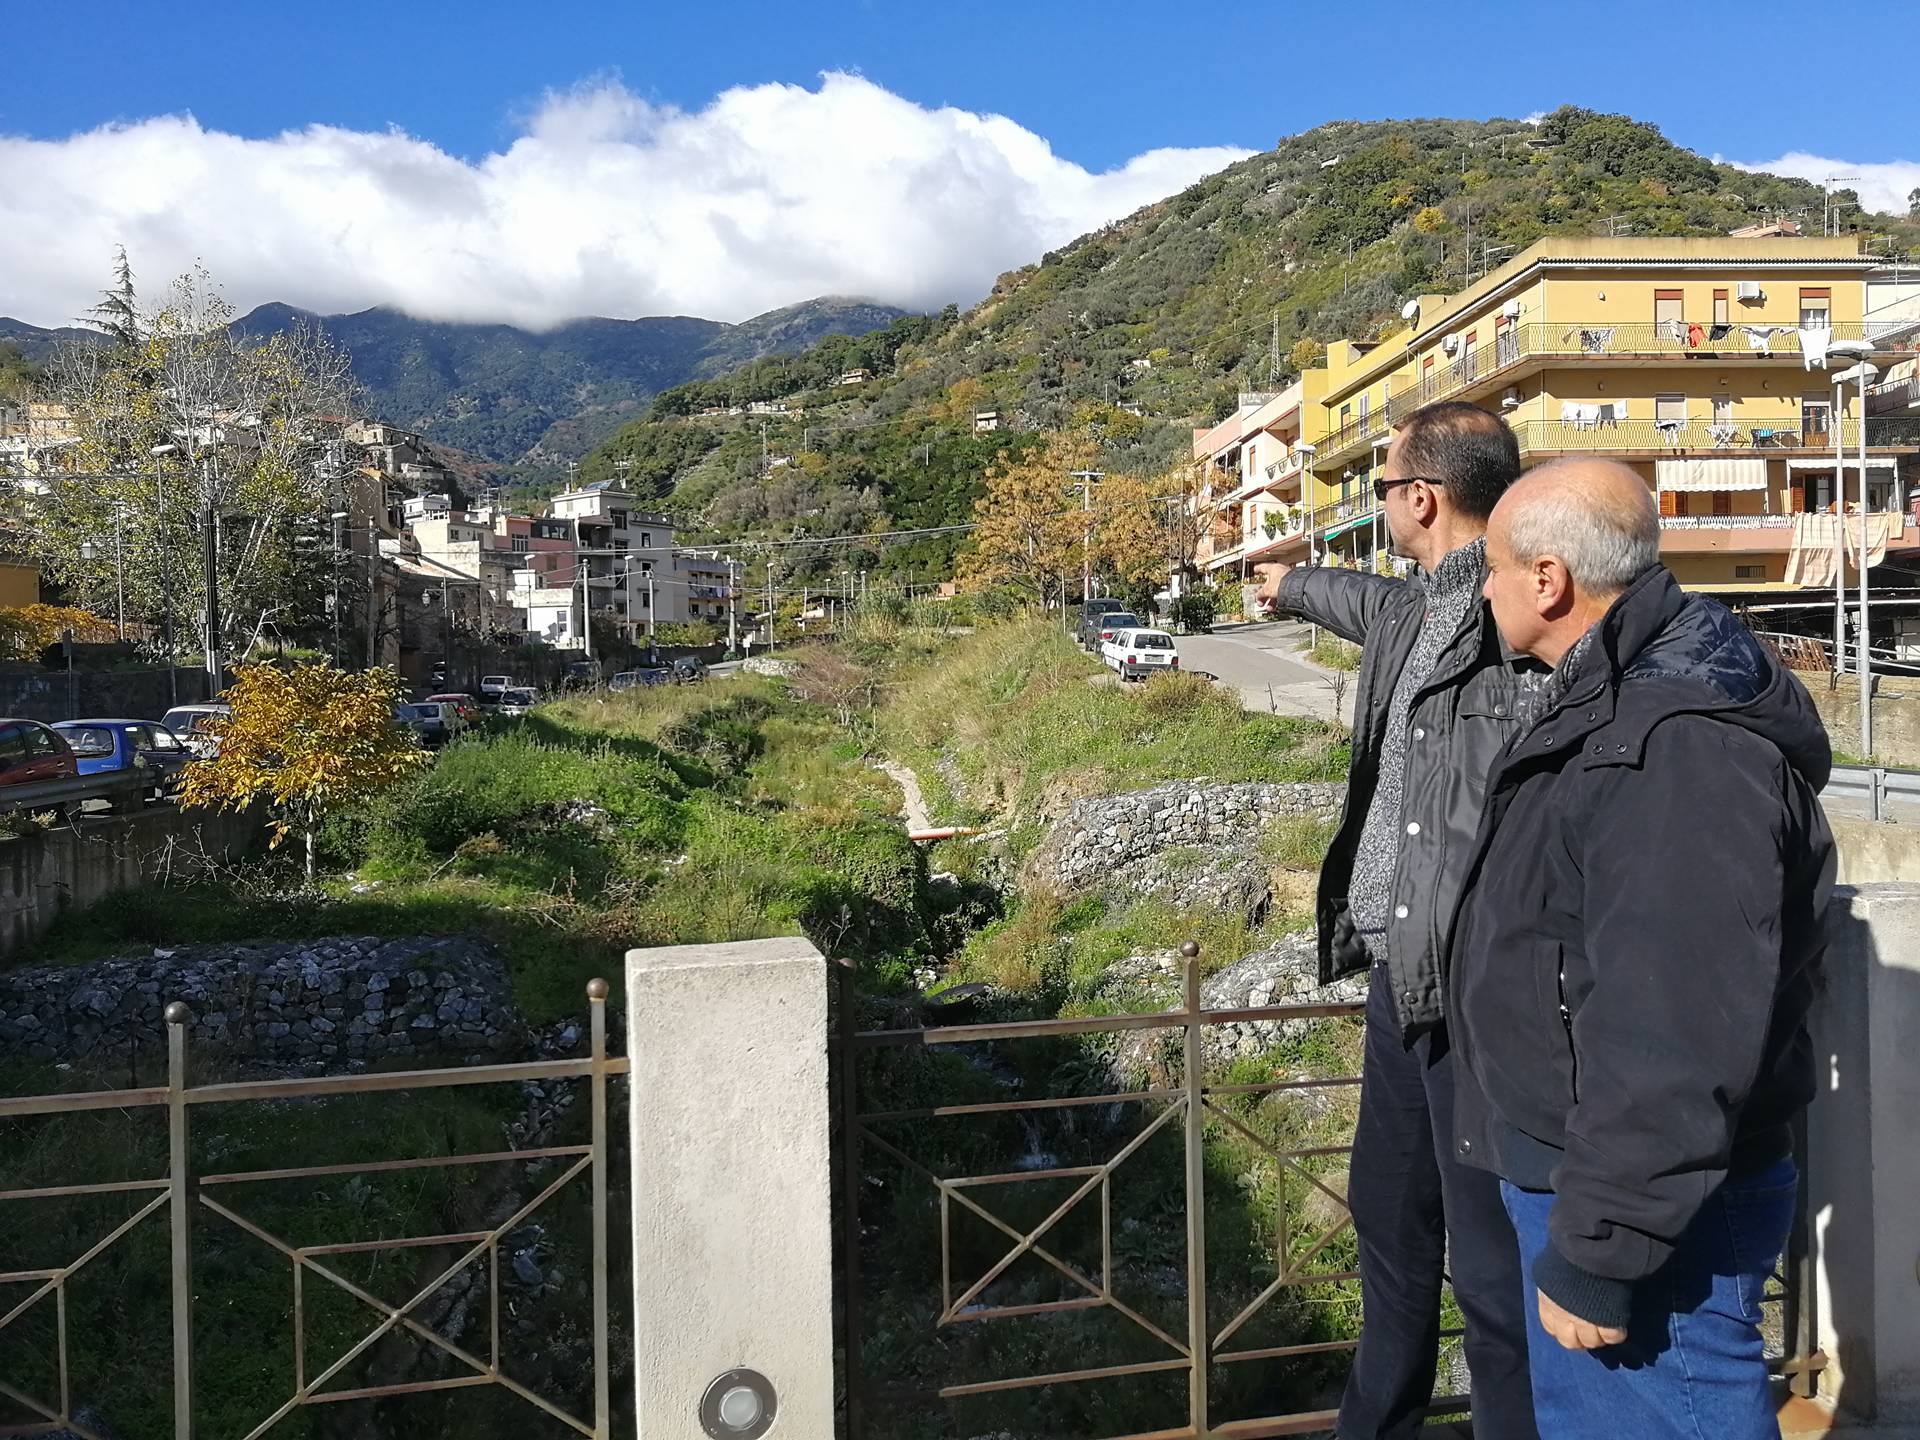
[[1157, 322]]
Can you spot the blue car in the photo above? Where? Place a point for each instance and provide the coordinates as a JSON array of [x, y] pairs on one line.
[[102, 746]]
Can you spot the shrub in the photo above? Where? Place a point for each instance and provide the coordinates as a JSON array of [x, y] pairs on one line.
[[1193, 612], [1297, 842], [1334, 653]]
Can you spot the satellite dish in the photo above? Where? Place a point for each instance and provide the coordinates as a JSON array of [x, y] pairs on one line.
[[1410, 310]]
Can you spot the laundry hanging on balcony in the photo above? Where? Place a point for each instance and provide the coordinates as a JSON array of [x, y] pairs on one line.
[[1703, 473], [1760, 337], [1810, 556], [1814, 340], [1594, 340]]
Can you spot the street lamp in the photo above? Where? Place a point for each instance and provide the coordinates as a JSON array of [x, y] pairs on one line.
[[1865, 372]]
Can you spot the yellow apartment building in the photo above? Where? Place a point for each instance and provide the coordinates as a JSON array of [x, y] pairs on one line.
[[1707, 364]]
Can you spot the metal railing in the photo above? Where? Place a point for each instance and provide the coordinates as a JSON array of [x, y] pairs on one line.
[[1743, 437], [1726, 522], [1594, 340], [184, 1193], [121, 789], [1199, 1110]]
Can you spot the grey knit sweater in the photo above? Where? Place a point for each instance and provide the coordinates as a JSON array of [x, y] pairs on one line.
[[1452, 589]]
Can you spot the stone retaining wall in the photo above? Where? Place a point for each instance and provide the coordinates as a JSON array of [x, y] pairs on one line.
[[319, 1000], [1104, 832]]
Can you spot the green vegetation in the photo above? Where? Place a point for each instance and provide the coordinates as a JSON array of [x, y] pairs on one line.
[[1330, 650], [1010, 727]]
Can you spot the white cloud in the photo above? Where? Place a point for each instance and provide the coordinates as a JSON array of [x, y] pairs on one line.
[[605, 205], [1883, 188]]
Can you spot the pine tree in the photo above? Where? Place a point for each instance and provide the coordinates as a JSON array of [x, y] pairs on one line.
[[117, 316]]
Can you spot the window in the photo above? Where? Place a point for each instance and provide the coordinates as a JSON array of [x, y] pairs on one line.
[[162, 739], [1506, 342], [1723, 409], [92, 741], [40, 741], [646, 539], [1722, 502], [1669, 306], [520, 544], [1816, 307], [1720, 307], [619, 519], [620, 544], [1670, 409], [1816, 418], [1346, 416], [1749, 572], [1366, 406]]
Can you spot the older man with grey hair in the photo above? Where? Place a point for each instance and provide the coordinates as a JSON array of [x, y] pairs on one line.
[[1631, 964]]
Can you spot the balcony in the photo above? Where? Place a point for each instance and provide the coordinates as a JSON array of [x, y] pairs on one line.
[[1786, 433], [1507, 356]]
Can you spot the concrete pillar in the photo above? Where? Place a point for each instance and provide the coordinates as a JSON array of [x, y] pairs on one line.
[[732, 1217], [1864, 1155]]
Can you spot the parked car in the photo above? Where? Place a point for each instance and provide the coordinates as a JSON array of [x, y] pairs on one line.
[[492, 687], [1138, 653], [583, 674], [31, 753], [193, 724], [1104, 627], [517, 701], [465, 708], [102, 747], [688, 669], [628, 679], [434, 721], [1087, 632]]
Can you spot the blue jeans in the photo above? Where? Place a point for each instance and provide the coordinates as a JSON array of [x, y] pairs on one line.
[[1693, 1364]]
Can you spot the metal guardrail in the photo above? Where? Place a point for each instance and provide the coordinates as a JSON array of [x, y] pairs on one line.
[[184, 1193], [1875, 791], [123, 788]]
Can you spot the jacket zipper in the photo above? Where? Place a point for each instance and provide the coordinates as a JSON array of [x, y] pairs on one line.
[[1566, 1023]]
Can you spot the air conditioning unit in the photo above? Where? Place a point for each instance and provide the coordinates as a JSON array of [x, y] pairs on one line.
[[1450, 344], [1511, 398], [1511, 310], [1749, 290]]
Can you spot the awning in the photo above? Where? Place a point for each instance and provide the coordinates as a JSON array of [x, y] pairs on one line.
[[1716, 473], [1852, 462], [1345, 525]]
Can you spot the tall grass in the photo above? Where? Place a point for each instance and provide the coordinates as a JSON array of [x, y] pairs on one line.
[[1007, 722]]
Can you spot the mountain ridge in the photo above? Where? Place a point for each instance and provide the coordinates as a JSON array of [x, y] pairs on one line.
[[511, 395]]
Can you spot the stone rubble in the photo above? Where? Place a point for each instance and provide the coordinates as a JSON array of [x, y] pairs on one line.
[[1103, 833], [343, 998]]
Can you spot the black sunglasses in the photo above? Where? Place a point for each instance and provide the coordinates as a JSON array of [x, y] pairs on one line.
[[1381, 487]]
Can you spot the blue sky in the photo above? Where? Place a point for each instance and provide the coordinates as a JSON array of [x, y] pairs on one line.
[[451, 115], [1101, 81]]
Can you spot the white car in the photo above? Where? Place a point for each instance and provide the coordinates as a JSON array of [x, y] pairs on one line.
[[190, 723], [517, 701], [492, 687], [1136, 654]]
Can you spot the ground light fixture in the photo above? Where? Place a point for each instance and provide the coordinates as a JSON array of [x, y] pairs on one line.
[[738, 1405]]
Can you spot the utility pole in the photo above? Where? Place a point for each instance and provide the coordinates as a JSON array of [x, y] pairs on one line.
[[119, 574], [1086, 479], [1273, 350], [733, 609], [653, 614]]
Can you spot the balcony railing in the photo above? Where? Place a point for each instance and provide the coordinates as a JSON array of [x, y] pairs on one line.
[[1729, 437], [1592, 340], [1726, 522]]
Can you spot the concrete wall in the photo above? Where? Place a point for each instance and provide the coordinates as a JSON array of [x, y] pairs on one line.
[[37, 693], [45, 873], [1876, 851], [1863, 1157], [1896, 717]]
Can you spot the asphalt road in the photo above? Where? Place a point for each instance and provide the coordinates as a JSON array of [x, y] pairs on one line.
[[1264, 664]]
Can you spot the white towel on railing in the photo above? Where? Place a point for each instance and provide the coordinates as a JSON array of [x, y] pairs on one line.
[[1760, 337], [1814, 340]]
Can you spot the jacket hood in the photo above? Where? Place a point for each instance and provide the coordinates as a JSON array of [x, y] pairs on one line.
[[1690, 654]]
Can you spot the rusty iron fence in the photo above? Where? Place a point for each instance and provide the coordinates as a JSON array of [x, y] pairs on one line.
[[1189, 1104], [183, 1195]]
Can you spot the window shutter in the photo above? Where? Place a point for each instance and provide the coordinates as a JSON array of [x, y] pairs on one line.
[[1669, 502]]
